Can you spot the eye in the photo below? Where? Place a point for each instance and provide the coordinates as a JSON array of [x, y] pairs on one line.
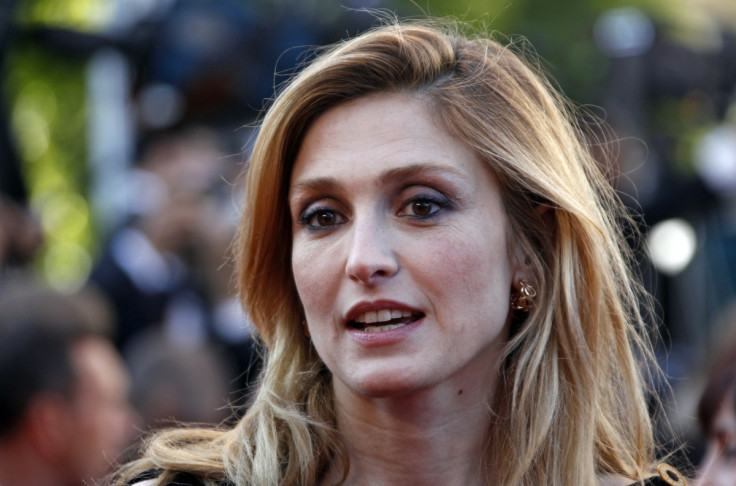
[[423, 207], [321, 218]]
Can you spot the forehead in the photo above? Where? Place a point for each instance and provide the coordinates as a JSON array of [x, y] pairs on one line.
[[380, 130]]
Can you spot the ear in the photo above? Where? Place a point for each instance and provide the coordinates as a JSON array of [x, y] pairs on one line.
[[48, 421], [520, 260], [542, 210], [520, 269], [546, 215]]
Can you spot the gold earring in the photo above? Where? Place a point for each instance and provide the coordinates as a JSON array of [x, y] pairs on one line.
[[670, 475], [523, 300]]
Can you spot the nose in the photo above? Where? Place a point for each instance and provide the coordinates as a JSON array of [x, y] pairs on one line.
[[371, 254]]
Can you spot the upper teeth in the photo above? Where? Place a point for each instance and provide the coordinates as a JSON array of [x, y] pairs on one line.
[[382, 315]]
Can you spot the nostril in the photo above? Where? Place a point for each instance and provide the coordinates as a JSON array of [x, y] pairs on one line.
[[369, 273], [370, 250]]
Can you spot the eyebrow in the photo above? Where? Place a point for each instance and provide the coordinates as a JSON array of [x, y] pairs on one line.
[[409, 171], [398, 173]]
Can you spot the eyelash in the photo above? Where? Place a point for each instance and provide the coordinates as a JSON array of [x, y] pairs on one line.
[[439, 204], [310, 214]]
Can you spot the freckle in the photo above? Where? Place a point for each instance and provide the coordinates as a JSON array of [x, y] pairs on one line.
[[459, 392]]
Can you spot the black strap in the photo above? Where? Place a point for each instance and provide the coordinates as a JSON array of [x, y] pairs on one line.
[[179, 479], [655, 481], [668, 476]]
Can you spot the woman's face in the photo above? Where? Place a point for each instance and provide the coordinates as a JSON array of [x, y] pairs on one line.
[[400, 250], [719, 464]]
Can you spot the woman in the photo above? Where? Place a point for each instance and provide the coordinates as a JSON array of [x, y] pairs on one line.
[[433, 262], [717, 418]]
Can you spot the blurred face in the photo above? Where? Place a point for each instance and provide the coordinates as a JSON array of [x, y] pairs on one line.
[[101, 416], [400, 250], [719, 464]]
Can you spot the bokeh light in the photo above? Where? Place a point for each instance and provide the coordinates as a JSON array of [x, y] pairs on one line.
[[672, 244]]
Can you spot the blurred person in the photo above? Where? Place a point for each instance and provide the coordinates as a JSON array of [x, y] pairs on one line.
[[717, 419], [167, 273], [65, 414], [172, 386], [21, 236], [147, 269], [438, 271], [167, 266]]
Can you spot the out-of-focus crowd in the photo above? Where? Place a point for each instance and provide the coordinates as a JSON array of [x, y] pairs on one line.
[[155, 337]]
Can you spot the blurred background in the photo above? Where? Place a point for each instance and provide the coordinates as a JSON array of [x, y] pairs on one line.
[[124, 124]]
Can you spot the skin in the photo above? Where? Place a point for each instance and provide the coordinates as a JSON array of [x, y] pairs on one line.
[[101, 413], [719, 464], [73, 441], [390, 211]]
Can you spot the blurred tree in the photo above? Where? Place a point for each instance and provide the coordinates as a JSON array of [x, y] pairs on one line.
[[561, 32], [47, 114]]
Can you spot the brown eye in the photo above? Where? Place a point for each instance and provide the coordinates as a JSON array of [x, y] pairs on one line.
[[421, 208], [424, 208], [325, 218], [321, 218]]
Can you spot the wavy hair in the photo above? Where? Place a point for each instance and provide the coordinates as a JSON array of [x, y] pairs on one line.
[[571, 402]]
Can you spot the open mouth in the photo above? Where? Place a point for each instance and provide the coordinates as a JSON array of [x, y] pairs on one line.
[[384, 320]]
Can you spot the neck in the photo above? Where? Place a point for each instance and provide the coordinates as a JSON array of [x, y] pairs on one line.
[[429, 437]]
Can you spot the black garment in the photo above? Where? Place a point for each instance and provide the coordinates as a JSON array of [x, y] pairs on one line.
[[181, 479], [187, 479], [655, 481], [136, 309]]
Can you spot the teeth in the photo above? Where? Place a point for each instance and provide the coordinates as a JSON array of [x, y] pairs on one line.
[[387, 327], [383, 315]]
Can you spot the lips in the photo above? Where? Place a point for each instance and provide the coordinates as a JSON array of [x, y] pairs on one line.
[[381, 317]]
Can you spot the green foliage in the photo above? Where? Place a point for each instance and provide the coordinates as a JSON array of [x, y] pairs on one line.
[[560, 31], [46, 95], [81, 15]]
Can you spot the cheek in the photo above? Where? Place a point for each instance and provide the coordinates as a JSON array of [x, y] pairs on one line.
[[484, 283], [301, 265], [311, 270], [474, 265]]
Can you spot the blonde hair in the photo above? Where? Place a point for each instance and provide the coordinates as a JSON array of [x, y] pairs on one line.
[[571, 402]]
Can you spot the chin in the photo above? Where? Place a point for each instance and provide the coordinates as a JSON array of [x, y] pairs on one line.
[[387, 384]]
